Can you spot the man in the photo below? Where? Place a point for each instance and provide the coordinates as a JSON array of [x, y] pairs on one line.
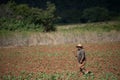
[[81, 58]]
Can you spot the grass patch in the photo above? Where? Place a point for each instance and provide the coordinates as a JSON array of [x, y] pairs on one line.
[[59, 76], [44, 76], [90, 27], [108, 76]]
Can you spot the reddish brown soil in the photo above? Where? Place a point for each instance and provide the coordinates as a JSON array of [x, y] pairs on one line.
[[37, 59]]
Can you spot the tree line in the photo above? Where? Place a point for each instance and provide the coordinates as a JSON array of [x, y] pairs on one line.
[[41, 14]]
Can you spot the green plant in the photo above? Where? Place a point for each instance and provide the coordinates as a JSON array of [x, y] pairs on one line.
[[108, 76], [89, 76]]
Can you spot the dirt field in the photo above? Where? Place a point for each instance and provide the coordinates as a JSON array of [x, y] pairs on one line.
[[103, 60]]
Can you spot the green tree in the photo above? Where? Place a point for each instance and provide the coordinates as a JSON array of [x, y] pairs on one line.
[[95, 14], [49, 17], [45, 17]]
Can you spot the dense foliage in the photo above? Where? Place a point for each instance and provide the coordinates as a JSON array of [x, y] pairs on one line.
[[22, 17]]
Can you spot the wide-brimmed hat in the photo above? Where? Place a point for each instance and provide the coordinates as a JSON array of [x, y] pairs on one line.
[[79, 45]]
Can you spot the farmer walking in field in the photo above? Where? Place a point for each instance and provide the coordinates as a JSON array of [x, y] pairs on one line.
[[81, 57]]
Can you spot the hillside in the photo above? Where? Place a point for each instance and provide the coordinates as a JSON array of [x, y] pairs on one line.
[[73, 33]]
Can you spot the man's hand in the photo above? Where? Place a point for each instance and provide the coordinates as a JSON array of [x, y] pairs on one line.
[[74, 53], [80, 62]]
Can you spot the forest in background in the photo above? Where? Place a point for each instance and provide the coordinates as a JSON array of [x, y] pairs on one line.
[[71, 10], [41, 15]]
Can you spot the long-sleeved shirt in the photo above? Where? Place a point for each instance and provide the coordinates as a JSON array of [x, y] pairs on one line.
[[81, 55]]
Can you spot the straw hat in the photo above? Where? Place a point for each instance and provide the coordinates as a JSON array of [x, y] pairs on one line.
[[79, 45]]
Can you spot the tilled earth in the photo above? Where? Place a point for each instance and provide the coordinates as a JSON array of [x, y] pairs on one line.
[[101, 57]]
